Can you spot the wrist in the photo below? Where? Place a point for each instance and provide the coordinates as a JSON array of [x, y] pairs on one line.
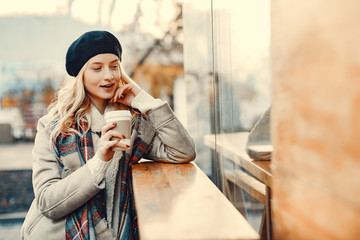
[[145, 102], [99, 156], [98, 168]]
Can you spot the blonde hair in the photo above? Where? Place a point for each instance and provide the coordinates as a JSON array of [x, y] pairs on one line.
[[71, 104]]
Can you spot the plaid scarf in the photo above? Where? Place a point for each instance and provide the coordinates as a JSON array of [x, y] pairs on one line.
[[80, 224], [128, 224]]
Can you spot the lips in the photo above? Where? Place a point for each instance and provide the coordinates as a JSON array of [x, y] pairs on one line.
[[107, 85]]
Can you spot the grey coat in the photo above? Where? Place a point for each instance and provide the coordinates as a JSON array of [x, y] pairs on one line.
[[56, 196]]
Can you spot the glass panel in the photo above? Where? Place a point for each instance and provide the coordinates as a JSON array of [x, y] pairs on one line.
[[197, 66], [227, 71]]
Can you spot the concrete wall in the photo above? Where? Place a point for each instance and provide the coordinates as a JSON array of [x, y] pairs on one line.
[[316, 119]]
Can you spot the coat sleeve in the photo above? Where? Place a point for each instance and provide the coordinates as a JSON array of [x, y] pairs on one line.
[[56, 197], [172, 142]]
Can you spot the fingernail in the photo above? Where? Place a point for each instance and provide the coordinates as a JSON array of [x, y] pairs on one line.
[[123, 136], [127, 146], [114, 123]]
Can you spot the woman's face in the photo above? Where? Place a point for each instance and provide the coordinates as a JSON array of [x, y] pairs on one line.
[[101, 77]]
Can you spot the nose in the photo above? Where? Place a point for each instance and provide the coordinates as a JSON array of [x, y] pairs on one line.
[[108, 74]]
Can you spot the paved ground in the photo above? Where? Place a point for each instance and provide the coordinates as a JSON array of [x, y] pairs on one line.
[[15, 187], [10, 231], [16, 156], [16, 193]]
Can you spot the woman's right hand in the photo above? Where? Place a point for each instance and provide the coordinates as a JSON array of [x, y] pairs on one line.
[[105, 143]]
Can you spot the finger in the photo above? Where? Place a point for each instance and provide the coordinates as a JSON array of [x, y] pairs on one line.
[[107, 127], [113, 134], [122, 145], [120, 92], [109, 144], [126, 77], [116, 94]]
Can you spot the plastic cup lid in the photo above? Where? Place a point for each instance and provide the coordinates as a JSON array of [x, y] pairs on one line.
[[118, 113]]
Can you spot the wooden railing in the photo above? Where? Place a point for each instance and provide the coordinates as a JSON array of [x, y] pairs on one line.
[[178, 201]]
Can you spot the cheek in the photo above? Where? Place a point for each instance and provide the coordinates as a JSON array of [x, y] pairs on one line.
[[117, 74], [118, 82], [89, 83]]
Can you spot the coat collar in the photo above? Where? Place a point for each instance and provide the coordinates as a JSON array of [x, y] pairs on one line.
[[97, 119]]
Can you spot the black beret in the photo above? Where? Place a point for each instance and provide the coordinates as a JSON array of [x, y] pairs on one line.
[[89, 45]]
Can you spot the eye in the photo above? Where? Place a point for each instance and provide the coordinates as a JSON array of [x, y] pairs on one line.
[[114, 67], [97, 69]]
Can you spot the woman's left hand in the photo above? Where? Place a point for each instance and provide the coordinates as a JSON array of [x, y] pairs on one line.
[[126, 94]]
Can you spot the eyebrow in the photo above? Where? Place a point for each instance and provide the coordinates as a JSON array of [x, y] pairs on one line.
[[103, 63]]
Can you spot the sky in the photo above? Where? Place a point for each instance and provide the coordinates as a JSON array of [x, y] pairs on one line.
[[94, 11], [155, 18]]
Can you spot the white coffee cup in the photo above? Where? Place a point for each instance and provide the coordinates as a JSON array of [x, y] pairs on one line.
[[122, 118]]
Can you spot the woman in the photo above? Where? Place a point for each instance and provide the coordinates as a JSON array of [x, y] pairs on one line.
[[81, 186]]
